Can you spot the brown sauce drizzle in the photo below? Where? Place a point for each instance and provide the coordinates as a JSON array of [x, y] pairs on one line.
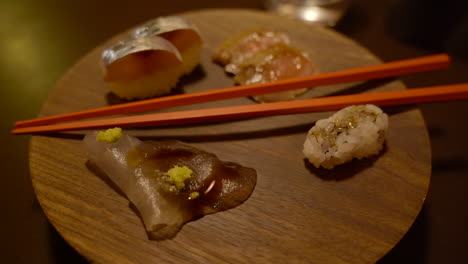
[[220, 185]]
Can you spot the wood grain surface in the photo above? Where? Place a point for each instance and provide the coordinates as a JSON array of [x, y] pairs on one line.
[[296, 214]]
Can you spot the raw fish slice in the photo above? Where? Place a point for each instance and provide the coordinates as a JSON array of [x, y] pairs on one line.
[[235, 50], [112, 157], [140, 170], [277, 62]]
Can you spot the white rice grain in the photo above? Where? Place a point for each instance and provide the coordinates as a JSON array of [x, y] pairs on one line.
[[354, 132]]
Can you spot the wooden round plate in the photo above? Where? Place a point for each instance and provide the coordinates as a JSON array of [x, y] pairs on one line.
[[352, 214]]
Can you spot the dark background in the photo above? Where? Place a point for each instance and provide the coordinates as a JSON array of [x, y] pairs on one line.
[[40, 40]]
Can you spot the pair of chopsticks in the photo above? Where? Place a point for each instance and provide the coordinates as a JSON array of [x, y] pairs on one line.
[[392, 69]]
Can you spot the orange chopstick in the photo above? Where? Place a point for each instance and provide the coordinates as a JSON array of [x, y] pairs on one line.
[[391, 69], [402, 97]]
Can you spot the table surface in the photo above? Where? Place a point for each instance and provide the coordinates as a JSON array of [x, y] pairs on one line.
[[40, 40]]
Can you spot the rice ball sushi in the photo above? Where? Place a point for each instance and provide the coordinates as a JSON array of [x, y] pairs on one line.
[[357, 131]]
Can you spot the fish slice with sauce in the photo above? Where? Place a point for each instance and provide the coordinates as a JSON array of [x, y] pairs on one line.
[[169, 182], [260, 56]]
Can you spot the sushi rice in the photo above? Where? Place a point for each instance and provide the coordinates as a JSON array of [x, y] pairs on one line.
[[357, 131]]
